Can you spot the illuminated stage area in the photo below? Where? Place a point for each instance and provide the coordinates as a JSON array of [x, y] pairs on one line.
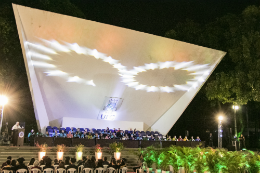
[[88, 74]]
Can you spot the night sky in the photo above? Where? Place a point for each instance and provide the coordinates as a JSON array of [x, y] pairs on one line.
[[156, 17]]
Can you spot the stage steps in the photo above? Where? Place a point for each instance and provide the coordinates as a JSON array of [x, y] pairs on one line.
[[29, 152]]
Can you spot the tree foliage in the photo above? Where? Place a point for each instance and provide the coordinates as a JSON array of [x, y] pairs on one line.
[[237, 79], [13, 78]]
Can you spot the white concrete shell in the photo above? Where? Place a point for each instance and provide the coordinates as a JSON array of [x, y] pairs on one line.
[[73, 65]]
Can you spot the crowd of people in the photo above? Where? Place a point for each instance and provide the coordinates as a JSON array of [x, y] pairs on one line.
[[111, 134], [46, 162]]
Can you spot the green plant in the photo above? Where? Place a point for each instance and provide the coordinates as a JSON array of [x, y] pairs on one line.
[[116, 147], [215, 159], [164, 160], [199, 160], [174, 160], [186, 158], [253, 162], [79, 148], [60, 148], [150, 156]]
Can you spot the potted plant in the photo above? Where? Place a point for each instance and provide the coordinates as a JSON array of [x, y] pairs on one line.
[[150, 155], [98, 152], [43, 150], [117, 148], [163, 161], [174, 160], [79, 151], [60, 151]]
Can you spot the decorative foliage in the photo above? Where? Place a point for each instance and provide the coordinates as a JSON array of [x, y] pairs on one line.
[[202, 159], [60, 148], [98, 148], [79, 148], [150, 155], [43, 147], [116, 147]]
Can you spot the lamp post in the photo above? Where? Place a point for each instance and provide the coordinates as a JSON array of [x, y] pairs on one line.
[[3, 102], [235, 107], [220, 130]]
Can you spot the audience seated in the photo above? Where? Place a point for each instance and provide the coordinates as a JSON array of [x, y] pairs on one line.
[[21, 165], [61, 165], [5, 163], [105, 162], [48, 164], [8, 166], [31, 161], [72, 164], [13, 163], [36, 165], [56, 162]]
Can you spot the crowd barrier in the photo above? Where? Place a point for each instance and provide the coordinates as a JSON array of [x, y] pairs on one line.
[[70, 142]]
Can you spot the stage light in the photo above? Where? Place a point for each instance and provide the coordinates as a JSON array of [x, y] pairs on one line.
[[119, 66], [128, 80], [132, 84], [110, 60], [140, 69], [167, 89], [140, 87], [151, 66], [40, 56], [41, 48], [74, 79], [3, 100], [56, 45], [182, 65], [201, 79], [152, 89], [166, 64], [235, 107], [126, 75], [181, 87], [196, 67], [42, 64], [220, 118], [90, 83], [55, 73], [78, 49]]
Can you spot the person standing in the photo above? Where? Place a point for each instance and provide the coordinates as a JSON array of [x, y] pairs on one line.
[[16, 126], [210, 140], [242, 142]]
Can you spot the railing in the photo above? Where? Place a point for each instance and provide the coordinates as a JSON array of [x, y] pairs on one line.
[[50, 141]]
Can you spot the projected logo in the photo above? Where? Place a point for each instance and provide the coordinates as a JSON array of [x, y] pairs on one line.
[[111, 104], [199, 72]]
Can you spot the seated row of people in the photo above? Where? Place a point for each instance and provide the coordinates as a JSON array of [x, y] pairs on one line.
[[184, 139], [46, 162]]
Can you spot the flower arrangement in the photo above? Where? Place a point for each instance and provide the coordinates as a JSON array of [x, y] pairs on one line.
[[43, 147], [79, 148], [98, 148], [116, 147], [60, 148]]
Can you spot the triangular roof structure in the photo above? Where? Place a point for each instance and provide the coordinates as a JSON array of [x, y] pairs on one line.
[[82, 72]]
